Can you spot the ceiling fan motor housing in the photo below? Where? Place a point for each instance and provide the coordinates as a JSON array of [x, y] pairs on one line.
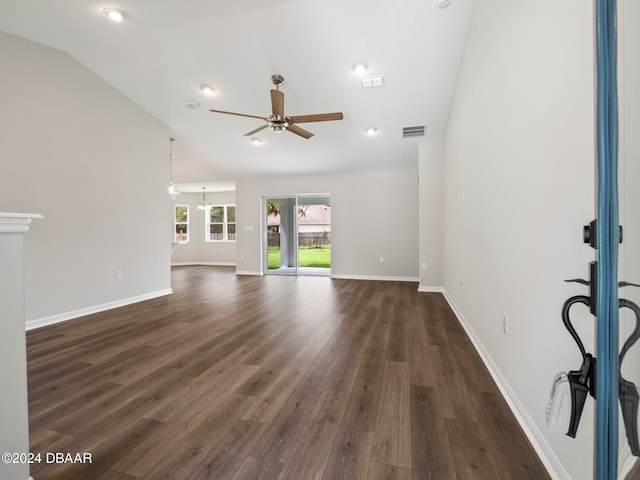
[[277, 79]]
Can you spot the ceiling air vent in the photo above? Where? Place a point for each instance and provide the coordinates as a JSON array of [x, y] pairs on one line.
[[417, 131], [369, 82], [190, 104]]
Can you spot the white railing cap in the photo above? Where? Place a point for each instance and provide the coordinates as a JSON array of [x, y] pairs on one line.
[[16, 222]]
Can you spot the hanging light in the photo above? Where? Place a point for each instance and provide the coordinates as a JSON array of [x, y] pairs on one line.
[[173, 190], [203, 205]]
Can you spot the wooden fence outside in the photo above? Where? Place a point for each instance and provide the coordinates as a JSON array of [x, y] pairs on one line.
[[305, 239]]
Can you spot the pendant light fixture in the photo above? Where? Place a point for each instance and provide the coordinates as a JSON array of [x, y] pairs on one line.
[[173, 190], [203, 205]]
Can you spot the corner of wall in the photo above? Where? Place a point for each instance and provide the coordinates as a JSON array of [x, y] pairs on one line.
[[431, 213]]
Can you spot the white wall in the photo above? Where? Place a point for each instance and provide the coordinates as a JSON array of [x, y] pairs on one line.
[[629, 179], [431, 210], [519, 186], [372, 215], [198, 251], [94, 164]]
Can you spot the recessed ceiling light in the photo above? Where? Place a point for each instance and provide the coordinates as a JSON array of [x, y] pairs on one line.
[[256, 141], [115, 14], [371, 131], [208, 90], [360, 68], [443, 3]]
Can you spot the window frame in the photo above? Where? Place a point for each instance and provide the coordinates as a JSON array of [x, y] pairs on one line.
[[176, 223], [225, 223]]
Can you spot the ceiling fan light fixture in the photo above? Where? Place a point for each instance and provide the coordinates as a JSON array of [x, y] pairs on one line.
[[360, 68], [208, 90], [115, 14]]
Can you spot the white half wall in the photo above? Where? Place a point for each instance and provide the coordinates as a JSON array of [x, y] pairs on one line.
[[519, 186], [14, 415], [198, 251], [96, 166], [373, 215]]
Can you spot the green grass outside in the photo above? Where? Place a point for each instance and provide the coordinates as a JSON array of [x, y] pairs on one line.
[[273, 257], [307, 257]]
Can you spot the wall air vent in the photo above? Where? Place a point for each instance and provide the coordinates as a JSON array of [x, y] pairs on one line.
[[190, 104], [416, 131]]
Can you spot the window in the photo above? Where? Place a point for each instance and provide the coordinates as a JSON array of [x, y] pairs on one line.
[[221, 223], [181, 224]]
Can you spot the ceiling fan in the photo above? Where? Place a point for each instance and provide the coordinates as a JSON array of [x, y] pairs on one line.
[[278, 121]]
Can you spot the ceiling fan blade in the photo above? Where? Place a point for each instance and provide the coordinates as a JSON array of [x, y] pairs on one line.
[[238, 114], [277, 102], [321, 117], [300, 131], [255, 131]]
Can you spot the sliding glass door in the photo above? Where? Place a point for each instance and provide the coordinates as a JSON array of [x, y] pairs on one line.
[[297, 234]]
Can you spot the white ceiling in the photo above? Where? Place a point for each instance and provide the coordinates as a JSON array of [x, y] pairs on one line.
[[164, 49]]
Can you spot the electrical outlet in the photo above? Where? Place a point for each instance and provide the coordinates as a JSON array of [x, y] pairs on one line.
[[461, 282], [118, 274], [424, 265], [504, 324], [381, 259], [242, 256]]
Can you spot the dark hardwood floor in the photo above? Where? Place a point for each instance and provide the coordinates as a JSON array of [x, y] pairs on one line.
[[634, 474], [236, 377]]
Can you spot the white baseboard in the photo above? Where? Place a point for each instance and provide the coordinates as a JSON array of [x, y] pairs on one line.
[[547, 456], [210, 264], [427, 289], [247, 272], [63, 317], [378, 278]]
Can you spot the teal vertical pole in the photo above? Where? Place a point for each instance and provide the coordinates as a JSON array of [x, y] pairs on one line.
[[606, 444]]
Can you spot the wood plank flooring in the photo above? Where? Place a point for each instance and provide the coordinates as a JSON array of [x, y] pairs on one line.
[[246, 378]]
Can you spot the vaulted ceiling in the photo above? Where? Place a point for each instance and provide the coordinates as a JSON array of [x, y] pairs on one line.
[[164, 50]]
